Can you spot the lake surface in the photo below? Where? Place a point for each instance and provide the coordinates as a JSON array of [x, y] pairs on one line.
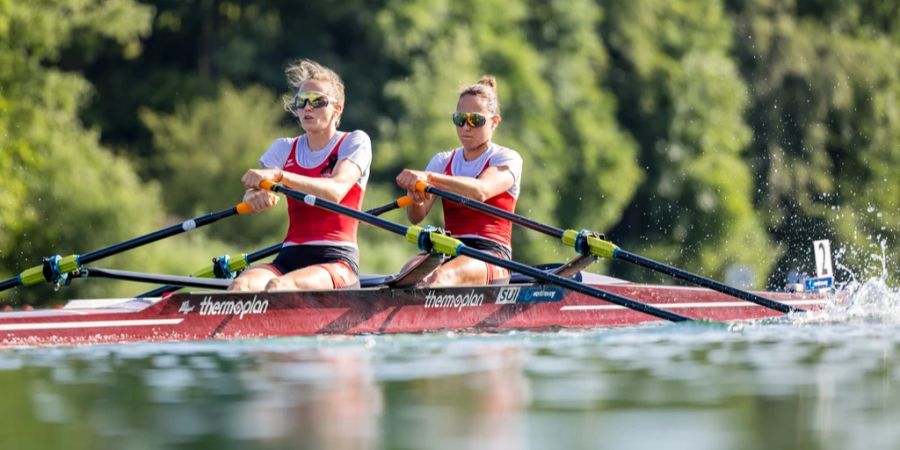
[[828, 380]]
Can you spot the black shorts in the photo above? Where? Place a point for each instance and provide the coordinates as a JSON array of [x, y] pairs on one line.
[[488, 245], [293, 257]]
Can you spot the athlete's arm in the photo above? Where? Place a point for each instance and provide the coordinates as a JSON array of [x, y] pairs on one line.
[[422, 202], [492, 182], [345, 175]]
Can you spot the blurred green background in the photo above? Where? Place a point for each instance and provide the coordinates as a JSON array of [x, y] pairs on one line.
[[718, 136]]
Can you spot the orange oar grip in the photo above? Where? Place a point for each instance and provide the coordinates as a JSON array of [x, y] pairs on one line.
[[421, 186], [266, 184], [244, 208], [404, 201]]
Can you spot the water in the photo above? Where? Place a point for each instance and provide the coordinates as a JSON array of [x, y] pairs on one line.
[[829, 380]]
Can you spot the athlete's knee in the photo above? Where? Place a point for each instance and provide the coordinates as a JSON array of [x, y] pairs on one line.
[[240, 285], [280, 284], [444, 277]]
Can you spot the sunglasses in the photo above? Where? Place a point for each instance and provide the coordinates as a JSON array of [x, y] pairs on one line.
[[474, 120], [315, 98]]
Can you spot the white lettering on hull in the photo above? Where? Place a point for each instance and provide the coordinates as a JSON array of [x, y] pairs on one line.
[[208, 307], [458, 301]]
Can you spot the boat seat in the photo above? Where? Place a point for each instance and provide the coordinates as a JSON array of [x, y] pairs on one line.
[[570, 269], [408, 278]]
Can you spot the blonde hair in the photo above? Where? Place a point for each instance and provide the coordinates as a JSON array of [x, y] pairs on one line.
[[486, 89], [301, 71]]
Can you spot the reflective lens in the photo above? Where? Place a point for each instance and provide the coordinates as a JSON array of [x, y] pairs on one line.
[[474, 120], [314, 98]]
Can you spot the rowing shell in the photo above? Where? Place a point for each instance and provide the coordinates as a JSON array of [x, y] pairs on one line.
[[200, 316]]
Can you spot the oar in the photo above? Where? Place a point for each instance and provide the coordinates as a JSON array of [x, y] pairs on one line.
[[588, 243], [453, 247], [141, 277], [401, 202], [56, 267], [226, 266]]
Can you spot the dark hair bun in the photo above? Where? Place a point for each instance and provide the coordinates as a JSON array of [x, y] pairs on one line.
[[489, 81]]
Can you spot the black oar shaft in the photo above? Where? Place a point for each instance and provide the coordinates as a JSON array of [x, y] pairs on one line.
[[611, 250], [480, 255], [71, 263], [492, 210], [251, 258], [339, 209], [702, 281], [156, 235], [571, 284], [9, 284], [401, 202]]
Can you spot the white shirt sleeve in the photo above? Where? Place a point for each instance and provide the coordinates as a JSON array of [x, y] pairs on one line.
[[357, 148], [513, 162], [438, 162], [277, 153], [511, 159]]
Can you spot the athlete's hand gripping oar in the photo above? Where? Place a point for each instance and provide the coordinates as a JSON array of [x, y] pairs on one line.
[[587, 243], [226, 266], [56, 267], [453, 247]]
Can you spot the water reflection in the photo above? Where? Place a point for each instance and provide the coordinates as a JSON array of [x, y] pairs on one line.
[[818, 382], [304, 394]]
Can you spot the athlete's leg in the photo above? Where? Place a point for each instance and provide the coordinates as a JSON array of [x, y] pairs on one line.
[[459, 271], [253, 279], [317, 277]]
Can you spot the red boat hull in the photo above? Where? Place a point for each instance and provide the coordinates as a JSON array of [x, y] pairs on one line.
[[187, 317]]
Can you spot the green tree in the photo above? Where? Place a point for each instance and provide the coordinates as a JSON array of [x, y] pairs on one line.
[[682, 99], [67, 193], [824, 90], [203, 149]]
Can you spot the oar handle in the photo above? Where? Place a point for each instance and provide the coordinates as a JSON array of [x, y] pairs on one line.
[[401, 202], [243, 208]]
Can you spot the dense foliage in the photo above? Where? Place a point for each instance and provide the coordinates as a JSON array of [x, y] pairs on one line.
[[718, 136]]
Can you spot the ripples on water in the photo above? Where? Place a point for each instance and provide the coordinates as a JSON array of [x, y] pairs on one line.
[[825, 380]]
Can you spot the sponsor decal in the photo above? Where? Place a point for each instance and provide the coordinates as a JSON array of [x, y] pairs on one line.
[[815, 284], [208, 307], [507, 296], [512, 295], [186, 307], [542, 294], [458, 301]]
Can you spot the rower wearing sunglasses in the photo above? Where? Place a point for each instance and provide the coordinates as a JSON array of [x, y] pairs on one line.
[[479, 169], [319, 251]]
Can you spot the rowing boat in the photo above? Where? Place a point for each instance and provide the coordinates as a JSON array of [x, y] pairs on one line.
[[517, 305], [533, 299]]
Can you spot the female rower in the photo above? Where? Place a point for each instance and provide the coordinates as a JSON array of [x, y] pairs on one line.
[[320, 249], [479, 169]]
